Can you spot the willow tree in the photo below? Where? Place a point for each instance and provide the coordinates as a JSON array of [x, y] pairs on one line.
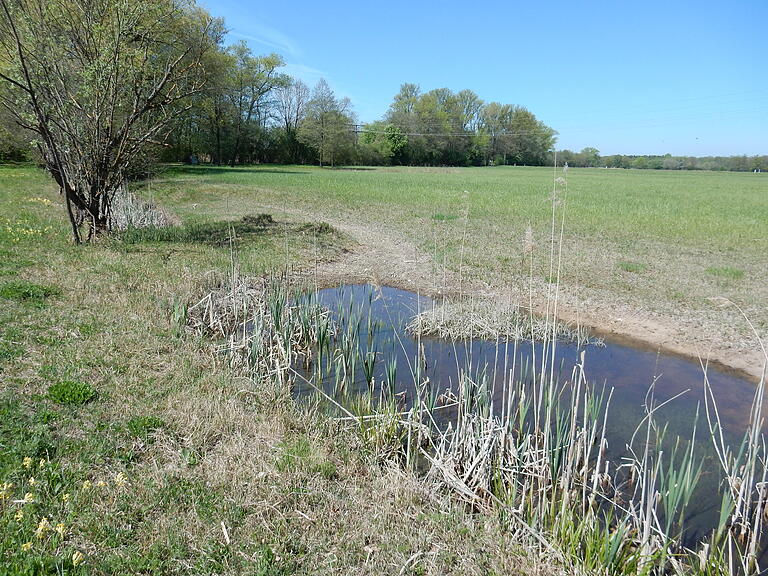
[[97, 81]]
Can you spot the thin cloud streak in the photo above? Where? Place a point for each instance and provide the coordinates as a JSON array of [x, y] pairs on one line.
[[269, 37]]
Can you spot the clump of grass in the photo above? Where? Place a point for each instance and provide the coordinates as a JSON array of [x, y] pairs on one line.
[[444, 217], [319, 228], [726, 272], [130, 212], [634, 267], [259, 219], [71, 392], [220, 233], [481, 319], [300, 455], [144, 426], [28, 292], [10, 350]]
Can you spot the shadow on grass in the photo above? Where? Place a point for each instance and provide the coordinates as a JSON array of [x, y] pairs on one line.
[[207, 170], [220, 233]]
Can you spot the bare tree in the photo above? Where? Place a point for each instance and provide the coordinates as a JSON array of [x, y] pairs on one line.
[[291, 104], [97, 81]]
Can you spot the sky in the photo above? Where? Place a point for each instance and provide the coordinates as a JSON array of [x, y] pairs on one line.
[[653, 77]]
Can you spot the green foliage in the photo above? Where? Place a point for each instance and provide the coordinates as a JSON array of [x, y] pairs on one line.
[[10, 350], [28, 292], [67, 68], [215, 233], [71, 392], [326, 128], [634, 267], [726, 272], [22, 433], [444, 217], [299, 455], [143, 426]]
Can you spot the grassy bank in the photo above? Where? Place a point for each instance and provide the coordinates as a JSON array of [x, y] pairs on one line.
[[146, 454]]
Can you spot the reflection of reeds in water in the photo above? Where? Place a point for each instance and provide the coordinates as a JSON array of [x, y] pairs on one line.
[[538, 460]]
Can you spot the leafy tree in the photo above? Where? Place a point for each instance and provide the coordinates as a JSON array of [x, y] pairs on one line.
[[384, 141], [98, 81], [253, 79], [327, 125], [14, 144]]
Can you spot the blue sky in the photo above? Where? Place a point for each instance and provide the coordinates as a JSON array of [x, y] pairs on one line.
[[653, 77]]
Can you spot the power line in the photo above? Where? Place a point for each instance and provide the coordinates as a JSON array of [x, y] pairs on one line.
[[361, 128]]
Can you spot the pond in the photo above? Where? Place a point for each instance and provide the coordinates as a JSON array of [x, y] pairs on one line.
[[399, 359]]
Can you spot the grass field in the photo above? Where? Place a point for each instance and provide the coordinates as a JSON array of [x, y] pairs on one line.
[[658, 244], [155, 458]]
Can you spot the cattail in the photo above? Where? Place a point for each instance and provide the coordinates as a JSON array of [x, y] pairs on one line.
[[528, 243]]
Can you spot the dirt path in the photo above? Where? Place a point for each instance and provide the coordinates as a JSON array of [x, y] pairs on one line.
[[382, 258]]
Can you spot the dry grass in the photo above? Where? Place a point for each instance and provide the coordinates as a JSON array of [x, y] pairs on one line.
[[485, 319]]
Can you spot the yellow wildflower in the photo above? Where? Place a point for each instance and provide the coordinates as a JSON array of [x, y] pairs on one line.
[[5, 491], [65, 497], [87, 485], [61, 530], [27, 546], [27, 462], [77, 558], [29, 497], [42, 463], [43, 528], [101, 484], [32, 481], [121, 480], [19, 516]]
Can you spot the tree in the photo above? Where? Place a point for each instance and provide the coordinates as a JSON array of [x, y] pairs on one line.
[[591, 157], [292, 99], [327, 125], [252, 80], [98, 81], [14, 144], [384, 141]]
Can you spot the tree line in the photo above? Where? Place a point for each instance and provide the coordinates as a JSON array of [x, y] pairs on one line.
[[99, 90], [250, 112], [590, 157]]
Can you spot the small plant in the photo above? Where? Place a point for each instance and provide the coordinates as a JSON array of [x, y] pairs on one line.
[[10, 350], [634, 267], [28, 292], [143, 426], [726, 272], [71, 392]]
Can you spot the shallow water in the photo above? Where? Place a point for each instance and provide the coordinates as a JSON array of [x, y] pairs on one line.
[[629, 371]]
